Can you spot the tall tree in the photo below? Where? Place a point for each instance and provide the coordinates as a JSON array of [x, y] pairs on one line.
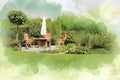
[[17, 17]]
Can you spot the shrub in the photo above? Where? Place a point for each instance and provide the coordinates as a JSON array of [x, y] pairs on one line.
[[103, 41], [12, 43], [66, 48], [55, 31]]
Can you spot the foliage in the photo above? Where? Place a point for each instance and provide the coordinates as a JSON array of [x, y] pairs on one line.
[[71, 36], [71, 22], [12, 32], [69, 49], [49, 24], [86, 33], [17, 17], [83, 34], [34, 27], [105, 41], [55, 31]]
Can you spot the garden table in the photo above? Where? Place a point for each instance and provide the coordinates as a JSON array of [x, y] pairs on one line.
[[42, 42]]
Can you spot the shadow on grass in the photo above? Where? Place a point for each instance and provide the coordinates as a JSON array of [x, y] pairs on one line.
[[58, 61]]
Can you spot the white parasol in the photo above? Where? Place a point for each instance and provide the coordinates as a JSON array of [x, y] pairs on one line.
[[43, 28]]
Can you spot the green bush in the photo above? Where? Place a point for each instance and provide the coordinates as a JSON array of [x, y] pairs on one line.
[[12, 32], [34, 26], [66, 48], [12, 43], [55, 31], [103, 41]]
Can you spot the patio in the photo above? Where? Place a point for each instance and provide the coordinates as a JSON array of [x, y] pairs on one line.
[[37, 49]]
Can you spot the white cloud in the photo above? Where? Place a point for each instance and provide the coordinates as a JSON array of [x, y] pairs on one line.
[[32, 8], [67, 5], [2, 3], [78, 5], [116, 3], [88, 4]]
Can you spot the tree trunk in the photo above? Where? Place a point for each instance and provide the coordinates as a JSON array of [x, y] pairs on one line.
[[17, 34], [17, 37]]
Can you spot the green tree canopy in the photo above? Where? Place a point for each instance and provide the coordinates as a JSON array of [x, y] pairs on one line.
[[17, 17]]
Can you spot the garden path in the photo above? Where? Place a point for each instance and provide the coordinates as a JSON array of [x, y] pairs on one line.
[[36, 49]]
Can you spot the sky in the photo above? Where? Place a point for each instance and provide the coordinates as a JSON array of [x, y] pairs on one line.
[[73, 5], [54, 8], [2, 2], [33, 8]]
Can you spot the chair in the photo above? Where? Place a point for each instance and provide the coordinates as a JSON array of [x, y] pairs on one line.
[[63, 38], [27, 40], [48, 38]]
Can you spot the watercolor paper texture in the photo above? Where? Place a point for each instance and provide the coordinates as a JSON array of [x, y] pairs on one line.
[[74, 16]]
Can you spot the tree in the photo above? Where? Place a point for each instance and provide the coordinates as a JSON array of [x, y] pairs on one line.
[[17, 17], [35, 26], [48, 24]]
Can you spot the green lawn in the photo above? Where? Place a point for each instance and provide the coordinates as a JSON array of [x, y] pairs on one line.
[[58, 61]]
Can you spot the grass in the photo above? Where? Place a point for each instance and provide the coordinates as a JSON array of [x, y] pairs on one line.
[[58, 61]]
